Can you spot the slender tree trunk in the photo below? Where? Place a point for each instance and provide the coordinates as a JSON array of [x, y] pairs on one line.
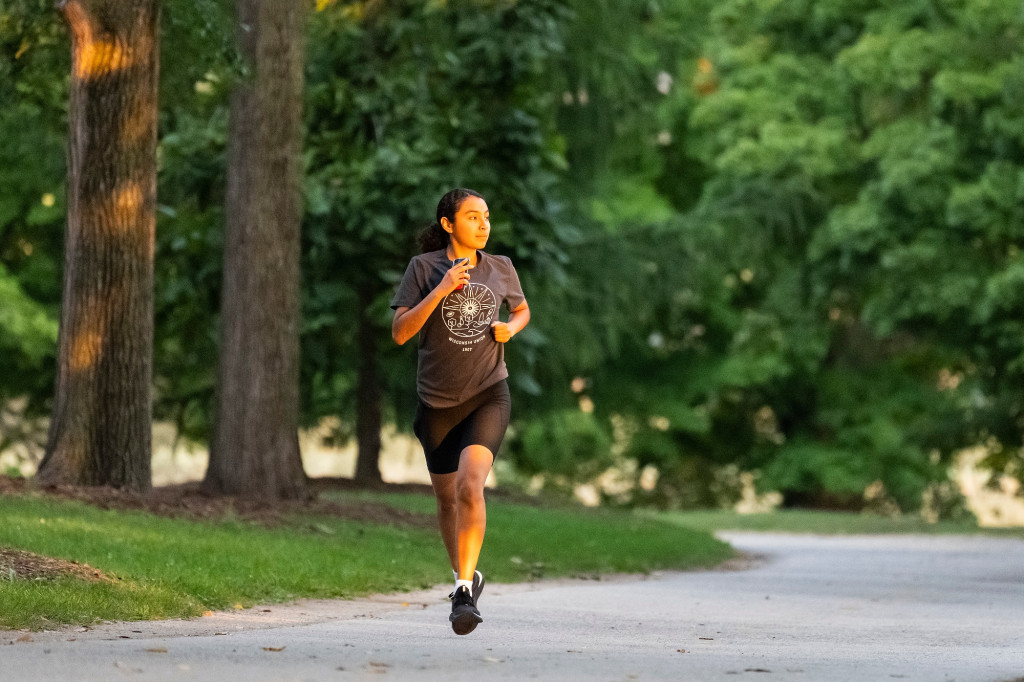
[[368, 408], [255, 448], [100, 433]]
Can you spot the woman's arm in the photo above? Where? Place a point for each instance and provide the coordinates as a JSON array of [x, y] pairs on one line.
[[407, 322], [519, 318]]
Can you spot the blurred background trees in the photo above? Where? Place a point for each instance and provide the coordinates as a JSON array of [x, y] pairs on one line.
[[405, 101], [33, 127], [762, 241]]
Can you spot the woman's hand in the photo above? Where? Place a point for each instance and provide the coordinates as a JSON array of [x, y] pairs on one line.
[[501, 332], [407, 322], [519, 318], [454, 279]]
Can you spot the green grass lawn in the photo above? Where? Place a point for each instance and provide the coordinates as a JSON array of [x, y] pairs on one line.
[[821, 522], [175, 568]]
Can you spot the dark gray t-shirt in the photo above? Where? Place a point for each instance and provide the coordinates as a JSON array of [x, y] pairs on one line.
[[458, 357]]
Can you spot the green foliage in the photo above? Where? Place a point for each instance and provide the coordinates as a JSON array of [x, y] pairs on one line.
[[189, 249], [839, 309], [775, 236], [33, 59], [848, 146], [930, 240], [403, 104], [566, 443], [197, 50], [623, 83], [28, 329]]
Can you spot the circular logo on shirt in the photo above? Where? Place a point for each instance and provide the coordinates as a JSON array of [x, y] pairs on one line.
[[468, 312]]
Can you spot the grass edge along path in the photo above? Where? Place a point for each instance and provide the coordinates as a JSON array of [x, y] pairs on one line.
[[805, 521], [162, 567]]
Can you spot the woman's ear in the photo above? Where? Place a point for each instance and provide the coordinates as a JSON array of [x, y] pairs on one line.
[[446, 225]]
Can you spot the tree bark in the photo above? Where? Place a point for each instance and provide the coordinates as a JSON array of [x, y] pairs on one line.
[[100, 433], [368, 395], [255, 447]]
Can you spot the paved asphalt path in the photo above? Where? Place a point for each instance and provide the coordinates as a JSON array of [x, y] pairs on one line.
[[803, 608]]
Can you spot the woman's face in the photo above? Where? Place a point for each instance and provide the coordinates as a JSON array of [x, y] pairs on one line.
[[472, 224]]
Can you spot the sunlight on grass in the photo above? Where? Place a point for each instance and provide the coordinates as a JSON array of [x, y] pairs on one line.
[[43, 605], [167, 567]]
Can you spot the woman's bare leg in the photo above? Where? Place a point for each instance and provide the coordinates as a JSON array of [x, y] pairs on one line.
[[447, 514], [471, 516]]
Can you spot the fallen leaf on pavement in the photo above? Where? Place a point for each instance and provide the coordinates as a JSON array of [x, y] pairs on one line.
[[273, 648]]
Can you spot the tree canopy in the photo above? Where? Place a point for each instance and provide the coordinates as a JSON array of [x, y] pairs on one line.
[[765, 237]]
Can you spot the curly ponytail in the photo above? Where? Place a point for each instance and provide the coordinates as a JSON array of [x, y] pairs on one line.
[[434, 237]]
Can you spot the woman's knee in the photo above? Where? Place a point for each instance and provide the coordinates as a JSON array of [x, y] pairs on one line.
[[445, 494], [470, 492], [447, 504], [474, 466]]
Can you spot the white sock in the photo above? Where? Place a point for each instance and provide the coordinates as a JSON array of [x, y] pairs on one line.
[[468, 584]]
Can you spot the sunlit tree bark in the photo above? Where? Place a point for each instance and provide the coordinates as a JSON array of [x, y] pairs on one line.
[[255, 450], [100, 431]]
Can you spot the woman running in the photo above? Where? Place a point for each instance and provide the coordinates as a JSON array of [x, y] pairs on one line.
[[461, 377]]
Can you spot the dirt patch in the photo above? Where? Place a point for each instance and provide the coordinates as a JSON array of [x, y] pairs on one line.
[[18, 565], [189, 501]]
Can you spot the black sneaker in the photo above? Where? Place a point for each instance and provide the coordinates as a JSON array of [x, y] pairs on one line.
[[478, 586], [464, 616]]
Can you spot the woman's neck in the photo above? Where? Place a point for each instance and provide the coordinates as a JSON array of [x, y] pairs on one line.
[[458, 251]]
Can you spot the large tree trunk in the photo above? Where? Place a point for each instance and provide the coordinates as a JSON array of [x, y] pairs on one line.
[[255, 448], [368, 418], [100, 433]]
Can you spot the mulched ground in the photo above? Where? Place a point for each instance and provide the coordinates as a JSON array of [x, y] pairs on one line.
[[18, 565], [190, 502]]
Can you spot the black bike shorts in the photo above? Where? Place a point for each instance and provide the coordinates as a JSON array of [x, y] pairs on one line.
[[446, 432]]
